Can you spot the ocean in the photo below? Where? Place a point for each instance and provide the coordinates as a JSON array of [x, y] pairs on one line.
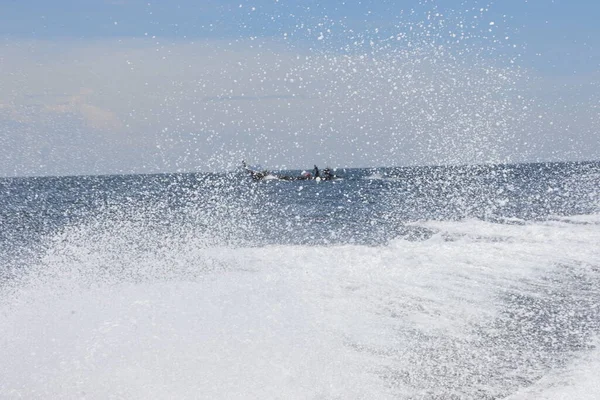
[[437, 282]]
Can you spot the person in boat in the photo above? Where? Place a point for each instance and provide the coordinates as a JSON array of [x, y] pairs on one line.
[[324, 175], [327, 175], [305, 175]]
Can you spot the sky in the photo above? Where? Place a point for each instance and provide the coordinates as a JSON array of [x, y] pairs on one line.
[[131, 86]]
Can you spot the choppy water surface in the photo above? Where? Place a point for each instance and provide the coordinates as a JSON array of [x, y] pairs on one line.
[[430, 282]]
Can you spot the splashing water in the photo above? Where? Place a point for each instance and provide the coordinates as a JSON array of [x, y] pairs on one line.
[[461, 281], [175, 288]]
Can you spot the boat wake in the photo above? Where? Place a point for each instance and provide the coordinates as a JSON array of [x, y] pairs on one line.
[[476, 310]]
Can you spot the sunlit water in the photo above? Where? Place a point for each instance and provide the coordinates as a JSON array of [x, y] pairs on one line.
[[437, 282]]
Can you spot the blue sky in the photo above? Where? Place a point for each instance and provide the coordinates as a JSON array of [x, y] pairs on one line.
[[102, 86], [559, 34]]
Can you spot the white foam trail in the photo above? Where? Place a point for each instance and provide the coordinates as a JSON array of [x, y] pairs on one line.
[[579, 380], [190, 320]]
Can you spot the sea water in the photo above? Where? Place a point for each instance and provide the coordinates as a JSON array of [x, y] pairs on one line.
[[466, 282]]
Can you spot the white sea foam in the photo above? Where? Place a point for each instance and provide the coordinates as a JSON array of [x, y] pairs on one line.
[[104, 316], [579, 380]]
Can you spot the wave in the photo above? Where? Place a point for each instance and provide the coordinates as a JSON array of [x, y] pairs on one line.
[[577, 380], [476, 310]]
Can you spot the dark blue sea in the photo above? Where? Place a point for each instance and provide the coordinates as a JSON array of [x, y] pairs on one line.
[[440, 282]]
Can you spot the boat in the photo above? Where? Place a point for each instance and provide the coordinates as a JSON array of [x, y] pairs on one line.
[[325, 175]]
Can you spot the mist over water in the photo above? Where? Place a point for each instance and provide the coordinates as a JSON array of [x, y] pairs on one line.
[[431, 86]]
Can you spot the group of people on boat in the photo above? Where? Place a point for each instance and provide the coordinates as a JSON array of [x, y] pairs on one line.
[[324, 175]]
